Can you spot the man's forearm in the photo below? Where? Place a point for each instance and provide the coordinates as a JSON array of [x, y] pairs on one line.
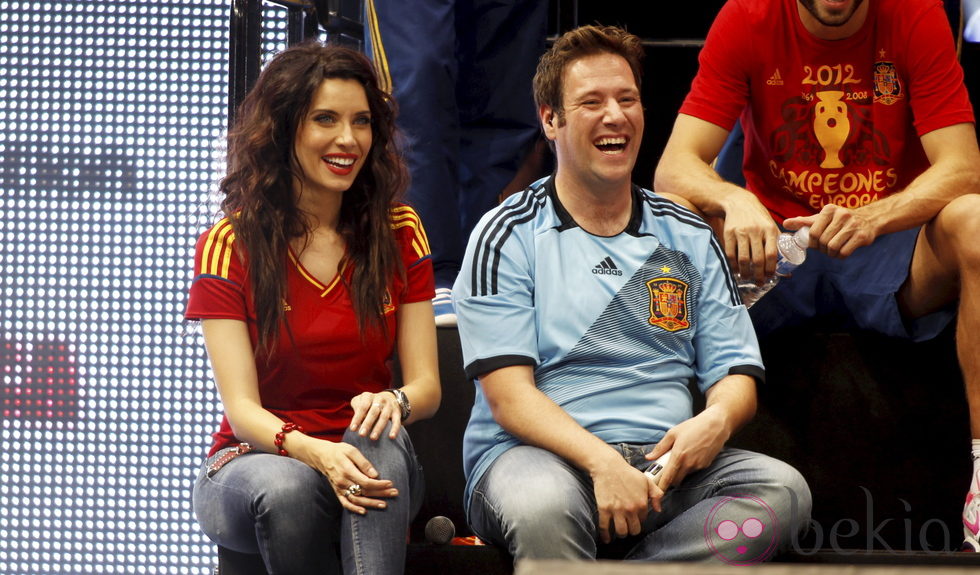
[[685, 167], [734, 397], [924, 197]]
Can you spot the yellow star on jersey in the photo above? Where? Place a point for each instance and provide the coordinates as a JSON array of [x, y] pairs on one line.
[[665, 269]]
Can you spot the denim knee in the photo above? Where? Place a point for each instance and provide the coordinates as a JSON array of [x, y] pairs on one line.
[[541, 509], [288, 493], [384, 448], [374, 542], [791, 500], [394, 459], [781, 501], [276, 506]]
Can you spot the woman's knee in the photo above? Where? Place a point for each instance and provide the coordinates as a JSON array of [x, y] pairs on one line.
[[297, 487], [384, 452], [261, 490]]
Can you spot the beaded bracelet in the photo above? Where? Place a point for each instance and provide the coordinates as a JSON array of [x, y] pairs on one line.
[[281, 436]]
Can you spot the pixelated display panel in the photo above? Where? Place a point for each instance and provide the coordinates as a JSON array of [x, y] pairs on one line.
[[111, 115]]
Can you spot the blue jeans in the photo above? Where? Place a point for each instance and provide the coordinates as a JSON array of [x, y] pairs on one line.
[[287, 512], [741, 510]]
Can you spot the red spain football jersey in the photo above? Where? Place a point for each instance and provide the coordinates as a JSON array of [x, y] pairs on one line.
[[830, 121], [321, 360]]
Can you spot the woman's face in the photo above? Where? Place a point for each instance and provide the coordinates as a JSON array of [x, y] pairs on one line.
[[333, 138]]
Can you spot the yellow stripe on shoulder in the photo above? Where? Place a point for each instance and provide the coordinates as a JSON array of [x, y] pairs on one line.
[[218, 249], [406, 216]]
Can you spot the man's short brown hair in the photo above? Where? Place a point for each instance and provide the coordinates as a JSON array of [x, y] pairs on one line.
[[580, 43]]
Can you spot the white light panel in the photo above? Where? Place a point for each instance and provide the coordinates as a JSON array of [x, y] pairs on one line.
[[109, 117]]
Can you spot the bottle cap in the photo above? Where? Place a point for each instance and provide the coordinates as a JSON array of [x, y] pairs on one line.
[[802, 237]]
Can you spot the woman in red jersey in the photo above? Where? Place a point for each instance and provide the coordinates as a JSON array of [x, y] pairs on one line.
[[313, 280]]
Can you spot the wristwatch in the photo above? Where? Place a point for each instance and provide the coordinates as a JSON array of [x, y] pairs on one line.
[[402, 401]]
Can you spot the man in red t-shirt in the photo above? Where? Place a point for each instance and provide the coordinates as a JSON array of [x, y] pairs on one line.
[[857, 123]]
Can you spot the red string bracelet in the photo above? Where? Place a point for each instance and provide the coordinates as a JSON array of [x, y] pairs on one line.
[[281, 436]]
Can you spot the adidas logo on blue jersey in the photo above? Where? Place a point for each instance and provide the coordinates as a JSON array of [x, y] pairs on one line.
[[607, 267]]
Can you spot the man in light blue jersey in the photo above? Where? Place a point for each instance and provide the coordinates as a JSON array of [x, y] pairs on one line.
[[586, 307]]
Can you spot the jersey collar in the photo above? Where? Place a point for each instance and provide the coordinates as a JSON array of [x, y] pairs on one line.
[[567, 222]]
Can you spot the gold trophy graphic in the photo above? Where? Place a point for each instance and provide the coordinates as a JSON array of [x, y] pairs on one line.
[[831, 126]]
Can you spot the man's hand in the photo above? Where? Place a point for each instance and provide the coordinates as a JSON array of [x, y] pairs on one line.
[[623, 497], [739, 219], [623, 494], [836, 231], [693, 444], [749, 235]]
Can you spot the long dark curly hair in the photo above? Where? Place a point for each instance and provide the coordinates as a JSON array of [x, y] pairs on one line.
[[258, 186]]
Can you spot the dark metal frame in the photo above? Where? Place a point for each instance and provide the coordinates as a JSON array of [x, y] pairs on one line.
[[304, 20], [342, 21]]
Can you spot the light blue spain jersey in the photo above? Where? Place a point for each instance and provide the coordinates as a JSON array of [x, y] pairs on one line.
[[615, 327]]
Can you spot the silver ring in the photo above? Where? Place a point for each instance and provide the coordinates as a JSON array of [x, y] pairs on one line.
[[352, 491]]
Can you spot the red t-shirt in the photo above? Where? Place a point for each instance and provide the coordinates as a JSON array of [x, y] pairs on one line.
[[829, 121], [312, 377]]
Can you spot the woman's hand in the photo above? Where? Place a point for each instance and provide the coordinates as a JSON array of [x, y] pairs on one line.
[[373, 411], [353, 478]]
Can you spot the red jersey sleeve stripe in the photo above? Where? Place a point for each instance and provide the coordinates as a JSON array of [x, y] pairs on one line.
[[218, 250], [404, 216]]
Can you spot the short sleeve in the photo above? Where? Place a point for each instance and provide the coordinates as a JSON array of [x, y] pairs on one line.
[[494, 294], [725, 343], [720, 88], [217, 291], [939, 97], [413, 245]]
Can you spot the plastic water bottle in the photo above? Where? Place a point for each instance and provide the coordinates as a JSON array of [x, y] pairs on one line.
[[791, 253]]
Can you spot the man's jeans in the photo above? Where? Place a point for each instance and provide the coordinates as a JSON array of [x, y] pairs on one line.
[[287, 512], [741, 510]]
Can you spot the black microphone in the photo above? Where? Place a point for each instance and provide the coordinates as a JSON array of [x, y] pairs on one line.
[[439, 530]]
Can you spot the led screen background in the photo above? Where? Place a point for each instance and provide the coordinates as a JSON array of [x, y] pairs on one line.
[[110, 115]]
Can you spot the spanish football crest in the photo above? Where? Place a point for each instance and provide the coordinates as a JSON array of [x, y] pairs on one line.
[[887, 85], [668, 303]]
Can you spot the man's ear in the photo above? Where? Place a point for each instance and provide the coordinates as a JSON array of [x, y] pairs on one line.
[[549, 121]]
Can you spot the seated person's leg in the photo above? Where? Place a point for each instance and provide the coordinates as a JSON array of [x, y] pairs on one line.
[[536, 505], [274, 506], [742, 509], [945, 272], [375, 542]]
